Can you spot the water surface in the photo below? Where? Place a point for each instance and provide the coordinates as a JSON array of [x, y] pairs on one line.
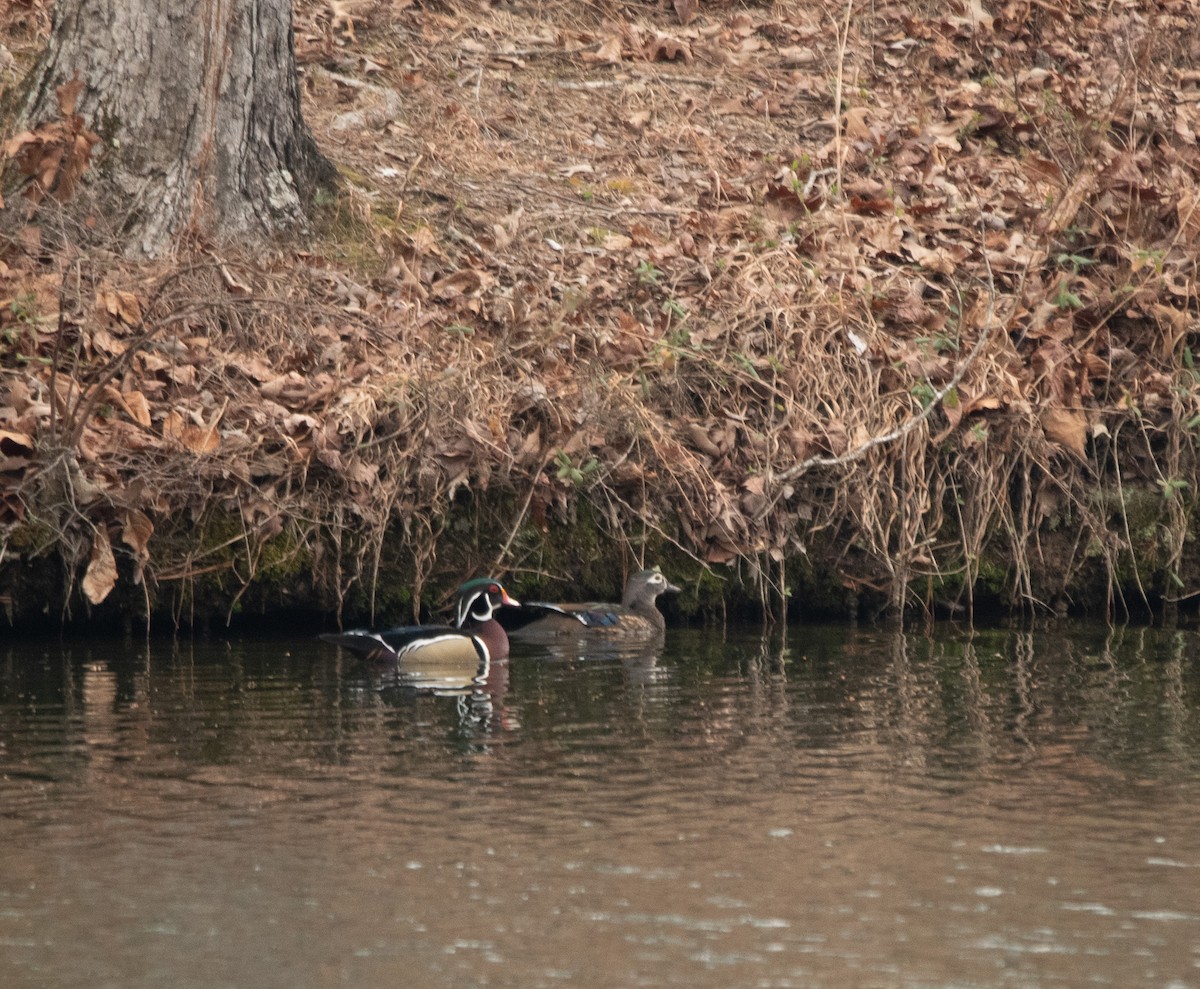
[[832, 808]]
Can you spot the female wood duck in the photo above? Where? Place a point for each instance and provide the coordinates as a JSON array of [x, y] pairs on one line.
[[472, 642], [636, 616]]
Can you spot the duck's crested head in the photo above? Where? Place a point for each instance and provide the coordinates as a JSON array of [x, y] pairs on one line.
[[645, 586], [478, 600]]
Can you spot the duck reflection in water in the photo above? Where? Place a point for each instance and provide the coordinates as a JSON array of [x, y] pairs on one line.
[[640, 661], [478, 692]]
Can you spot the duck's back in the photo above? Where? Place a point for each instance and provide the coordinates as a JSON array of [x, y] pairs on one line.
[[542, 621]]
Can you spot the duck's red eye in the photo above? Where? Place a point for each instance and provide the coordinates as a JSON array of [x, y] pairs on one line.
[[494, 589]]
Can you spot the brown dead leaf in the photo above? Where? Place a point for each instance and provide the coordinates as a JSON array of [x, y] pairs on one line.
[[422, 240], [982, 403], [138, 408], [721, 551], [19, 395], [101, 575], [979, 18], [299, 422], [57, 153], [467, 282], [235, 285], [106, 343], [125, 306], [14, 444], [289, 386], [685, 10], [343, 14], [639, 119], [872, 207], [363, 474], [254, 367], [198, 439], [173, 425], [855, 123], [201, 439], [1062, 213], [617, 242], [68, 95], [136, 534], [609, 52], [664, 48], [1187, 210], [798, 57], [1067, 428], [698, 434], [133, 403]]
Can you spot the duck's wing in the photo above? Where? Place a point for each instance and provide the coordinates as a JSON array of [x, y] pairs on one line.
[[395, 643], [594, 615], [515, 619], [538, 619]]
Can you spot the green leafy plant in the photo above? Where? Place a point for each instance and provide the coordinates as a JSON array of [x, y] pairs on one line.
[[24, 307], [1172, 486], [1064, 298], [647, 273], [939, 343], [572, 473], [674, 308], [746, 364], [1076, 262], [923, 392]]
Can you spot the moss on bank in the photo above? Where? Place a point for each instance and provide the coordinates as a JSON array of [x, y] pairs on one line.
[[212, 573]]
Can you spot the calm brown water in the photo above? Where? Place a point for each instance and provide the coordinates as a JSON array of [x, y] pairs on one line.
[[838, 810]]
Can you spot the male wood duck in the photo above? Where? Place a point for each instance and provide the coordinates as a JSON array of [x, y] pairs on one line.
[[637, 616], [472, 642]]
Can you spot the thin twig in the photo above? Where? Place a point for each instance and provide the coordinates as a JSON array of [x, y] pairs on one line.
[[535, 475], [843, 38]]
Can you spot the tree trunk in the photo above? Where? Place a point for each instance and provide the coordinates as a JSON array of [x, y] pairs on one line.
[[197, 106]]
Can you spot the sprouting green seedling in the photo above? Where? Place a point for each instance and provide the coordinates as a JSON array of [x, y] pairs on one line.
[[24, 308], [746, 364], [1153, 257], [1172, 486], [461, 329], [571, 473], [647, 274], [939, 343], [674, 309], [924, 393], [1076, 262], [679, 337], [1064, 298]]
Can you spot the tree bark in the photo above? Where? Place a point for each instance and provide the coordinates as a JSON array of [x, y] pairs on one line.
[[197, 106]]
